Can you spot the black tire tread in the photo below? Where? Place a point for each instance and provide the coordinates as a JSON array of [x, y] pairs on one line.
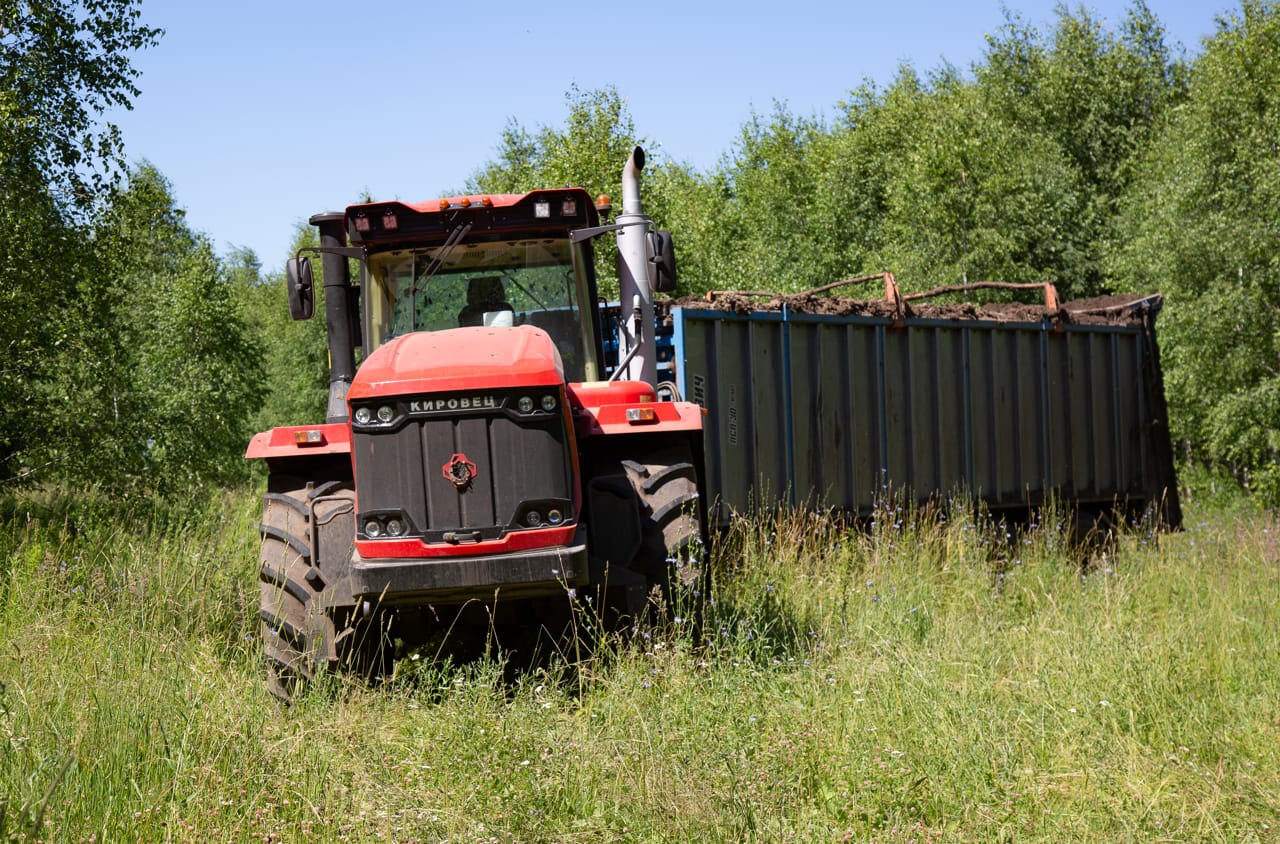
[[666, 483], [282, 535], [664, 474], [289, 501], [269, 574], [301, 639]]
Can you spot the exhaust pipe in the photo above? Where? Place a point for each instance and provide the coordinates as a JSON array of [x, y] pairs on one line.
[[637, 351], [337, 312], [631, 182]]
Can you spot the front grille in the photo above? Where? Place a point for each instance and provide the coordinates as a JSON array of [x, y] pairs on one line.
[[522, 463]]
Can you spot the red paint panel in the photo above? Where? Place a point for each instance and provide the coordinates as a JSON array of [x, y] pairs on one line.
[[460, 359], [612, 419], [522, 540], [602, 393], [278, 442]]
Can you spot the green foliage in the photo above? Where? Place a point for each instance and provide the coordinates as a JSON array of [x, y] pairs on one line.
[[972, 197], [43, 259], [163, 366], [62, 63], [763, 238], [1200, 223], [1097, 96], [1010, 176], [128, 363], [131, 366], [295, 359]]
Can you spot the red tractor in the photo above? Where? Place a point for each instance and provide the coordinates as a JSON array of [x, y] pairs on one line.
[[478, 466]]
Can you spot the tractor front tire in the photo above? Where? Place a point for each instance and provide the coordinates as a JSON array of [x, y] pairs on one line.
[[673, 551], [302, 637]]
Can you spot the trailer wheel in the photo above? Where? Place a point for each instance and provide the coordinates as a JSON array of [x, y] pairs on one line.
[[301, 636], [672, 554]]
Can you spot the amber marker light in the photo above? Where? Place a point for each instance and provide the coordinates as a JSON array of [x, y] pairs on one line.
[[444, 205], [311, 436], [641, 415], [465, 202], [486, 201]]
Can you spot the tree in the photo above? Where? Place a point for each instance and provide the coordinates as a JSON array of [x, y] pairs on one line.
[[1199, 223], [1098, 96], [587, 152], [972, 197], [763, 237], [61, 64], [161, 371]]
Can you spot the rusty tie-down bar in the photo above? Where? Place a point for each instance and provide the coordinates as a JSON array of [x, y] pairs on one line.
[[1051, 303], [1052, 306]]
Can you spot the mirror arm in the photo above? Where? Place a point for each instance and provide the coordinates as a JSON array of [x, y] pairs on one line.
[[356, 252], [579, 235]]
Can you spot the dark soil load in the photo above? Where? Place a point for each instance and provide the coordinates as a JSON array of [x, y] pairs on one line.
[[1119, 309]]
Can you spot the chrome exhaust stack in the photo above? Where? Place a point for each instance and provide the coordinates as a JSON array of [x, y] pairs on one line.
[[637, 351]]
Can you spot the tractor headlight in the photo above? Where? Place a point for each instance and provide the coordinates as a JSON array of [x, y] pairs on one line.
[[363, 416]]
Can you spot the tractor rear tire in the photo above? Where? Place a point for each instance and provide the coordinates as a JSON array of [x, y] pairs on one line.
[[672, 554], [302, 637]]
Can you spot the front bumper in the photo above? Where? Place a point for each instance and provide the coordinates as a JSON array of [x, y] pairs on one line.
[[540, 572]]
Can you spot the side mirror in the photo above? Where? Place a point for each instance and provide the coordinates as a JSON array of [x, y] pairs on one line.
[[663, 258], [301, 286]]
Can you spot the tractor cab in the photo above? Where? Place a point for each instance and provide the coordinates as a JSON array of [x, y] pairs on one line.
[[482, 262]]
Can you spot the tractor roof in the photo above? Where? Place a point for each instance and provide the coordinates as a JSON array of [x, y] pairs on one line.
[[540, 211]]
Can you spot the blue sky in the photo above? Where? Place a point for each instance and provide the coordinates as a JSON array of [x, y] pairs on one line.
[[261, 114]]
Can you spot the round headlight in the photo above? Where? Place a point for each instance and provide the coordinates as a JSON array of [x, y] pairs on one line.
[[555, 517], [533, 518], [525, 404], [548, 403], [373, 528], [363, 416], [385, 413], [395, 527]]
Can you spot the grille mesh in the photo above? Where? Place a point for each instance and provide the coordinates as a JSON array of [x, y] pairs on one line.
[[517, 461]]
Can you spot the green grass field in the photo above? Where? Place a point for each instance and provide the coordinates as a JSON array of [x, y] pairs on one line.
[[924, 681]]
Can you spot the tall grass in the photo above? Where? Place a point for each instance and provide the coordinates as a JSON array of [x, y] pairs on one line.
[[921, 679]]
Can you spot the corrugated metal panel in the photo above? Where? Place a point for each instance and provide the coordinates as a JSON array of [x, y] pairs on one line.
[[830, 411]]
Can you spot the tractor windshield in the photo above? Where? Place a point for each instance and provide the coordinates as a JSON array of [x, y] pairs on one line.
[[492, 283]]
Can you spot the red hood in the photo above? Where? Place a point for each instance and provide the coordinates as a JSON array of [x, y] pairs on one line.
[[460, 359]]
